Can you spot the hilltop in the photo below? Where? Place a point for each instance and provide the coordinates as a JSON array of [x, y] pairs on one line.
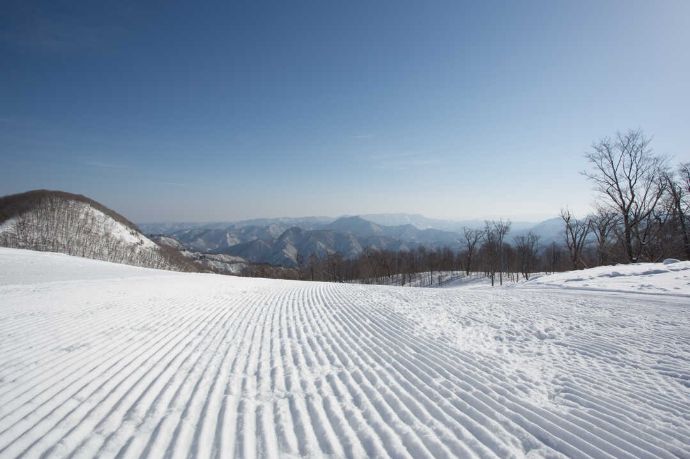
[[56, 221]]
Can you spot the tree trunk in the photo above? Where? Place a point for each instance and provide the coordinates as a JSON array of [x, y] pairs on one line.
[[627, 234]]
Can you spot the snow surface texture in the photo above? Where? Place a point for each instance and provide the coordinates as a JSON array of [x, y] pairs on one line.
[[106, 360], [672, 277]]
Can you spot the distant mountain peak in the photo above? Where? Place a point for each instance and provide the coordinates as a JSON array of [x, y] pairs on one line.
[[356, 225]]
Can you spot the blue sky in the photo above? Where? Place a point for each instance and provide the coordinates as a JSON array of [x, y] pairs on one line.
[[225, 110]]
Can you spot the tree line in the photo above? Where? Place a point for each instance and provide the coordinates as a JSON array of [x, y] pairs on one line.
[[486, 252], [642, 206], [642, 214]]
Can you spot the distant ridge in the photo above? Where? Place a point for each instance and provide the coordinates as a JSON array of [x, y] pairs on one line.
[[57, 221], [288, 242]]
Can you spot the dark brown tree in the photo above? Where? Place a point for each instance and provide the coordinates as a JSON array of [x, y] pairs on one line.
[[472, 238], [527, 251], [602, 224], [629, 176], [575, 238], [679, 193]]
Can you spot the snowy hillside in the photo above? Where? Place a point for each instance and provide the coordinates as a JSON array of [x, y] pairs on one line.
[[108, 360], [62, 222], [672, 277]]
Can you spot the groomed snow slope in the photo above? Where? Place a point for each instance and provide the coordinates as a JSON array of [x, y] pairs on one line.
[[107, 360]]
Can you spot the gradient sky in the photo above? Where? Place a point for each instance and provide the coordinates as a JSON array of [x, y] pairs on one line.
[[202, 111]]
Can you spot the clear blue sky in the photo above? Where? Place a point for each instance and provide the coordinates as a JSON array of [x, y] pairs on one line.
[[224, 110]]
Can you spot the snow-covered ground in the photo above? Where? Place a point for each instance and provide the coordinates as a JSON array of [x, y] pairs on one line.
[[111, 360], [672, 277]]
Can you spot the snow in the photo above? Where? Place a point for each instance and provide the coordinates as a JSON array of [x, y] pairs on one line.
[[110, 360], [170, 242], [101, 224], [80, 229], [656, 278], [440, 279], [18, 266], [107, 225], [8, 225], [218, 263]]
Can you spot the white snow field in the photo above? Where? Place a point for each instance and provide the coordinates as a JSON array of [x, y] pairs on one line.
[[672, 277], [105, 360]]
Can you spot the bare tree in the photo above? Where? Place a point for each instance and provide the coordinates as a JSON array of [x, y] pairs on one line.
[[527, 248], [502, 228], [552, 257], [601, 225], [489, 252], [472, 238], [312, 266], [679, 193], [575, 237], [493, 250], [627, 173]]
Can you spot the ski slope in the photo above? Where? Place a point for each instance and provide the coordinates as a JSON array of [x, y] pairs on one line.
[[108, 360]]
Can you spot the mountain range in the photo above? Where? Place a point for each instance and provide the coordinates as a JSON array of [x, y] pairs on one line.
[[63, 222], [287, 241]]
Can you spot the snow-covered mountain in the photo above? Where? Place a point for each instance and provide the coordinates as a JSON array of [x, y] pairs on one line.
[[215, 239], [281, 222], [418, 221], [422, 222], [348, 236], [55, 221], [551, 230], [216, 263], [357, 226], [285, 241]]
